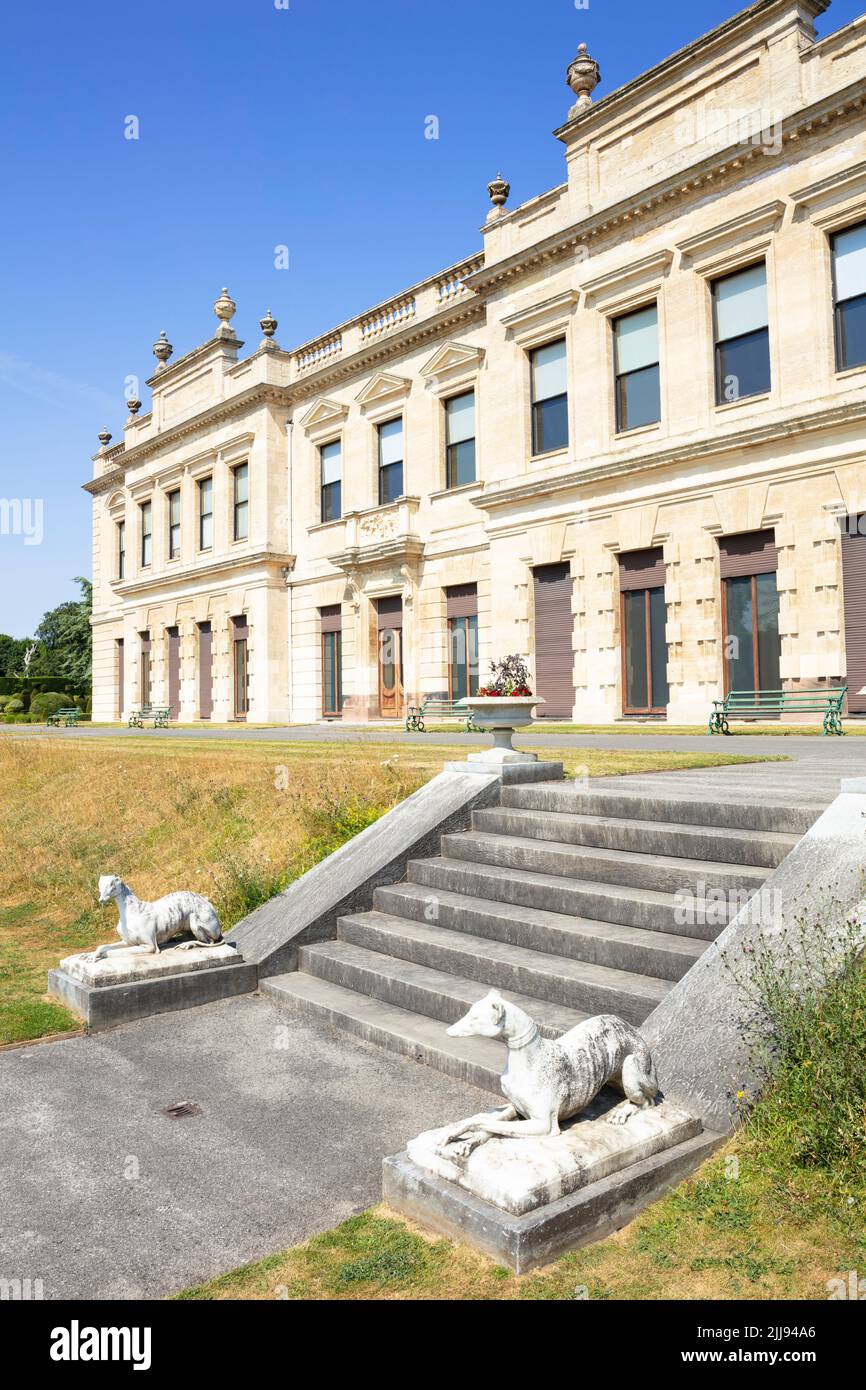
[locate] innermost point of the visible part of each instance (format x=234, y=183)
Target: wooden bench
x=68, y=717
x=757, y=704
x=434, y=708
x=160, y=714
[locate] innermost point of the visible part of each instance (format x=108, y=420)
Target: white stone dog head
x=109, y=885
x=484, y=1019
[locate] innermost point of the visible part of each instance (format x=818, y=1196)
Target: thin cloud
x=51, y=387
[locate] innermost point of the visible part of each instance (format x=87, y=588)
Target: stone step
x=632, y=907
x=765, y=851
x=578, y=985
x=479, y=1061
x=774, y=812
x=418, y=987
x=663, y=875
x=657, y=953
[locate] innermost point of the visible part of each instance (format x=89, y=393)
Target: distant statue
x=28, y=656
x=150, y=925
x=548, y=1081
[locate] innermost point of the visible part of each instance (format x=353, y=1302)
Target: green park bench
x=67, y=717
x=757, y=704
x=434, y=708
x=160, y=714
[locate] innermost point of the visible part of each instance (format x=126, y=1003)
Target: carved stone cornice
x=263, y=393
x=572, y=478
x=227, y=566
x=720, y=168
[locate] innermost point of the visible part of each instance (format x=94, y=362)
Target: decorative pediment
x=534, y=322
x=729, y=243
x=324, y=412
x=383, y=388
x=452, y=357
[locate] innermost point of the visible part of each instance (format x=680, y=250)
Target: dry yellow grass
x=215, y=818
x=230, y=819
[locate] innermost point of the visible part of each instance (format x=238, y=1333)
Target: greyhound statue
x=150, y=925
x=545, y=1081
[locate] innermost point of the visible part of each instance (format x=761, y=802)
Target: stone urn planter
x=501, y=715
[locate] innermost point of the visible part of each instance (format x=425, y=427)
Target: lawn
x=234, y=820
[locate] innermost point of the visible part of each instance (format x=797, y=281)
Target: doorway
x=750, y=611
x=205, y=671
x=240, y=668
x=643, y=643
x=554, y=655
x=173, y=635
x=389, y=616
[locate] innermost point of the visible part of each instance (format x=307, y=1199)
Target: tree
x=63, y=638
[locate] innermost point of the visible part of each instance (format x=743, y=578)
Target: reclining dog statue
x=549, y=1081
x=150, y=925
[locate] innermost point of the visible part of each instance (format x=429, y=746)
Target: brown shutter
x=332, y=617
x=554, y=655
x=120, y=676
x=205, y=671
x=751, y=552
x=854, y=591
x=461, y=600
x=642, y=569
x=173, y=635
x=144, y=668
x=389, y=611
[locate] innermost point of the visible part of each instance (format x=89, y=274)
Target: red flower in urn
x=510, y=678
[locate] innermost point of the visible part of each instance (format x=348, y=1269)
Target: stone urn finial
x=104, y=440
x=134, y=406
x=269, y=327
x=224, y=308
x=498, y=190
x=583, y=76
x=162, y=350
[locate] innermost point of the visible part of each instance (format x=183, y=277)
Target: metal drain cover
x=182, y=1109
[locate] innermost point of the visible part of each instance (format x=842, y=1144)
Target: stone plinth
x=522, y=1174
x=132, y=984
x=125, y=967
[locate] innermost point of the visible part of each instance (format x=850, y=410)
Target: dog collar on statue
x=524, y=1039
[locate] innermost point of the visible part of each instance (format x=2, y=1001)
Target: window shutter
x=332, y=618
x=854, y=590
x=461, y=600
x=389, y=611
x=554, y=656
x=642, y=569
x=751, y=552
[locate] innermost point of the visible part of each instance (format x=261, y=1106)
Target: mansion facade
x=626, y=439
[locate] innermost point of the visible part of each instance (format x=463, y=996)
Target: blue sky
x=259, y=126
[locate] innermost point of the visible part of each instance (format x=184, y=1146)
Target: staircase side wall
x=699, y=1033
x=344, y=882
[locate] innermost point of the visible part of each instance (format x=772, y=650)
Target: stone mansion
x=624, y=439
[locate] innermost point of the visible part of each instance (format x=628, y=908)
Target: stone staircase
x=563, y=897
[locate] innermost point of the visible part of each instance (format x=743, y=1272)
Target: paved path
x=833, y=752
x=295, y=1122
